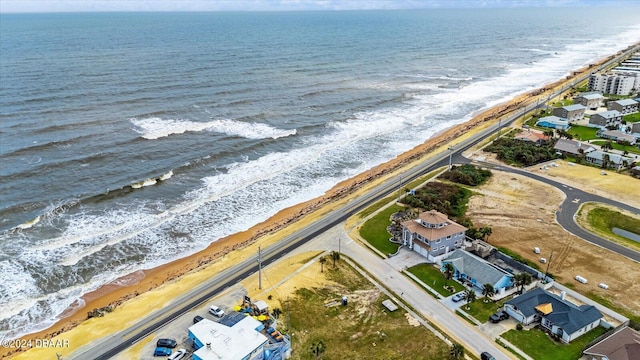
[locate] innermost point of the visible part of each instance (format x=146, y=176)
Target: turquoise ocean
x=128, y=140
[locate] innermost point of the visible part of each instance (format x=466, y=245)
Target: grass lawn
x=481, y=310
x=583, y=132
x=363, y=329
x=540, y=347
x=616, y=146
x=375, y=232
x=435, y=279
x=602, y=220
x=631, y=118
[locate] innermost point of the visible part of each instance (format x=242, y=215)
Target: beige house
x=432, y=234
x=590, y=100
x=623, y=344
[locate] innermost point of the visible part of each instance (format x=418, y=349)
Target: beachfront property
x=557, y=316
x=570, y=112
x=573, y=147
x=614, y=161
x=622, y=344
x=618, y=83
x=625, y=106
x=591, y=100
x=477, y=272
x=617, y=136
x=432, y=234
x=553, y=122
x=236, y=336
x=605, y=118
x=532, y=137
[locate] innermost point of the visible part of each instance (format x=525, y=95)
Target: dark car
x=166, y=343
x=486, y=356
x=197, y=319
x=498, y=316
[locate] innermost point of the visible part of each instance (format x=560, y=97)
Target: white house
x=557, y=316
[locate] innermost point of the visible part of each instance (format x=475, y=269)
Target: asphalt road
x=112, y=345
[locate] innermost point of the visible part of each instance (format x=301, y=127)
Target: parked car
x=458, y=297
x=167, y=343
x=197, y=319
x=162, y=351
x=178, y=354
x=216, y=311
x=498, y=316
x=486, y=356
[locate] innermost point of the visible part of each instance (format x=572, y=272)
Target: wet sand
x=117, y=293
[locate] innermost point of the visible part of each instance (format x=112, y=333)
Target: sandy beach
x=223, y=253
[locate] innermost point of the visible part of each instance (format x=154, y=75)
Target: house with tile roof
x=622, y=344
x=557, y=316
x=432, y=234
x=478, y=272
x=532, y=137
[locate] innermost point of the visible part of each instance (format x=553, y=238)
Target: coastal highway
x=109, y=346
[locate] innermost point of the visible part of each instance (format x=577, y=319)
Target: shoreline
x=115, y=294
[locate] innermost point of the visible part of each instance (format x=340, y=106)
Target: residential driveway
x=448, y=302
x=405, y=259
x=494, y=330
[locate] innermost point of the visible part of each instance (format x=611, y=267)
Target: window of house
x=448, y=237
x=438, y=241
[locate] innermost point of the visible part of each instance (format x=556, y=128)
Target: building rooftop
x=623, y=344
x=553, y=120
x=572, y=146
x=437, y=225
x=591, y=95
x=481, y=270
x=625, y=102
x=574, y=107
x=609, y=114
x=228, y=343
x=564, y=314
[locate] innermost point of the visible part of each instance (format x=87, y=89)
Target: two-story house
x=432, y=234
x=605, y=118
x=570, y=112
x=625, y=106
x=590, y=100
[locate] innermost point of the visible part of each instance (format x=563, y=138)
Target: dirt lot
x=521, y=214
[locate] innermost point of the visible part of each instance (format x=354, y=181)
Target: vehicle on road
x=216, y=311
x=458, y=297
x=162, y=351
x=197, y=319
x=178, y=354
x=486, y=356
x=166, y=343
x=498, y=316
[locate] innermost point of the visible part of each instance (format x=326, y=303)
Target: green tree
x=448, y=272
x=276, y=312
x=334, y=256
x=488, y=291
x=457, y=351
x=317, y=348
x=485, y=231
x=469, y=296
x=522, y=279
x=322, y=261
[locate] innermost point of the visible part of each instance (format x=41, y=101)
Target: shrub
x=519, y=327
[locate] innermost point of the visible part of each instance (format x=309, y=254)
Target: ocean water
x=128, y=140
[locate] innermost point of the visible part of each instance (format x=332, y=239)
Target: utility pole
x=339, y=241
x=259, y=268
x=450, y=148
x=400, y=189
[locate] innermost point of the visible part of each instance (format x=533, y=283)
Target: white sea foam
x=166, y=176
x=29, y=224
x=155, y=128
x=249, y=191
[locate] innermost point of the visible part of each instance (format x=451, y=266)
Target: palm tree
x=488, y=291
x=322, y=261
x=448, y=271
x=457, y=351
x=522, y=279
x=469, y=296
x=276, y=312
x=317, y=348
x=334, y=256
x=485, y=231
